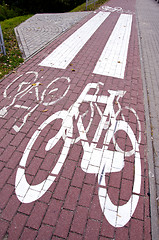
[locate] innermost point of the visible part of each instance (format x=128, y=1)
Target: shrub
x=47, y=6
x=6, y=12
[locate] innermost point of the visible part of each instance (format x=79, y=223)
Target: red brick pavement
x=70, y=208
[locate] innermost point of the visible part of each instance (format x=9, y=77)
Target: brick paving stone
x=6, y=140
x=9, y=124
x=34, y=166
x=5, y=195
x=114, y=194
x=69, y=169
x=11, y=208
x=75, y=152
x=147, y=228
x=17, y=226
x=61, y=189
x=37, y=215
x=92, y=229
x=14, y=160
x=4, y=225
x=136, y=229
x=115, y=179
x=73, y=236
x=41, y=151
x=38, y=178
x=121, y=233
x=2, y=123
x=78, y=177
x=1, y=150
x=46, y=197
x=7, y=153
x=86, y=195
x=147, y=207
x=107, y=230
x=26, y=208
x=126, y=189
x=38, y=143
x=90, y=179
x=79, y=221
x=63, y=223
x=53, y=212
x=95, y=211
x=72, y=198
x=4, y=175
x=1, y=165
x=140, y=213
x=11, y=180
x=48, y=163
x=29, y=234
x=128, y=170
x=45, y=232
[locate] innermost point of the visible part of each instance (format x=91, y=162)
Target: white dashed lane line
x=112, y=61
x=65, y=52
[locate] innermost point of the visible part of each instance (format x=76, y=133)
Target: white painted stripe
x=112, y=61
x=64, y=53
x=20, y=106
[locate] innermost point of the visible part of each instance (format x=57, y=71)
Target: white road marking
x=65, y=52
x=112, y=61
x=20, y=106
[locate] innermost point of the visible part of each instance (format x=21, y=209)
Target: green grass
x=13, y=55
x=91, y=7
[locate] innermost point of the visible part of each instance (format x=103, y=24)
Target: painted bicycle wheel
x=26, y=192
x=118, y=216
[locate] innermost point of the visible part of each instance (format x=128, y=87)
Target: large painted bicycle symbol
x=95, y=160
x=49, y=96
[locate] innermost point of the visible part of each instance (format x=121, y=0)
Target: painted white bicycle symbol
x=95, y=160
x=48, y=97
x=115, y=9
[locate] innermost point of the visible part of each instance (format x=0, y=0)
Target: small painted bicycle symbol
x=95, y=160
x=115, y=9
x=50, y=95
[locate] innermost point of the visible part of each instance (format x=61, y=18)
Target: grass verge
x=13, y=55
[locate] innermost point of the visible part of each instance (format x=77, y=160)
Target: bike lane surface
x=87, y=181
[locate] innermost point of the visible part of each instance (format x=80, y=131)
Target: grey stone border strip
x=19, y=43
x=40, y=29
x=49, y=42
x=150, y=154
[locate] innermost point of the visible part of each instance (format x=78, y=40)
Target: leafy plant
x=49, y=6
x=6, y=12
x=13, y=55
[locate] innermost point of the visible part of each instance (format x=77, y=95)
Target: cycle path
x=90, y=181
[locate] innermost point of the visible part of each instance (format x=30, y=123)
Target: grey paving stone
x=157, y=174
x=148, y=25
x=37, y=31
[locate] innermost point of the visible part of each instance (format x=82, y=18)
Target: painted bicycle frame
x=95, y=160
